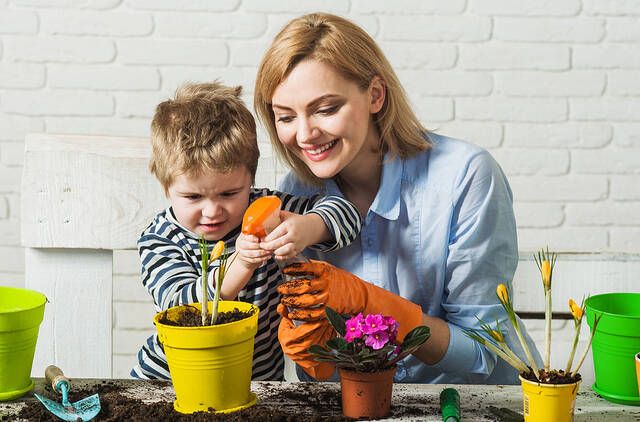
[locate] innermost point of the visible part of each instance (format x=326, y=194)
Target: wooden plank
x=76, y=331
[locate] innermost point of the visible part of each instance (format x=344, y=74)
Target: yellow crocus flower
x=502, y=293
x=576, y=310
x=497, y=336
x=545, y=269
x=217, y=251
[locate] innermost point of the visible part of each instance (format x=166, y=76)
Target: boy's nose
x=211, y=210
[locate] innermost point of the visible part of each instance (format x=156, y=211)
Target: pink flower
x=377, y=340
x=374, y=323
x=353, y=328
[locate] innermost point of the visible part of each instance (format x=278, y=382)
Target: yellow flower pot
x=210, y=366
x=548, y=402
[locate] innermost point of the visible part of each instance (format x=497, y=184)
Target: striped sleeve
x=340, y=216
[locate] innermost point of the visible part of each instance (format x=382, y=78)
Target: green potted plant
x=365, y=352
x=548, y=394
x=209, y=346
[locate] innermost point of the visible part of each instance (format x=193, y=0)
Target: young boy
x=205, y=155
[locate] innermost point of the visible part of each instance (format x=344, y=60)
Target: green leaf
x=337, y=343
x=318, y=350
x=336, y=320
x=416, y=337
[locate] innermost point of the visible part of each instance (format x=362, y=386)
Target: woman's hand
x=294, y=234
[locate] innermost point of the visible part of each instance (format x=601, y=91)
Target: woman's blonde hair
x=206, y=126
x=349, y=50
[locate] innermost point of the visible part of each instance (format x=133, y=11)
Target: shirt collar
x=387, y=201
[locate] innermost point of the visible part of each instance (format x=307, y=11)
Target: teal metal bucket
x=615, y=344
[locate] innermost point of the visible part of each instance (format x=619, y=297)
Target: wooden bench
x=84, y=197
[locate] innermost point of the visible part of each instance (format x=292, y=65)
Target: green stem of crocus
x=527, y=352
x=513, y=356
x=216, y=297
x=547, y=318
x=584, y=355
x=576, y=336
x=516, y=363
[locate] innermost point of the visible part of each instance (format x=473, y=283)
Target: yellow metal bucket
x=548, y=402
x=211, y=366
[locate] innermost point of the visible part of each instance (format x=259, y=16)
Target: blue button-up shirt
x=441, y=233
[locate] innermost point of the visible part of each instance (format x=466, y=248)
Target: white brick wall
x=551, y=87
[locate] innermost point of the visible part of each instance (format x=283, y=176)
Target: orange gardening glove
x=306, y=300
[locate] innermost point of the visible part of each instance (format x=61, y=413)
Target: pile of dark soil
x=191, y=317
x=553, y=376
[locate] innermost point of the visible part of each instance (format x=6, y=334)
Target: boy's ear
x=377, y=93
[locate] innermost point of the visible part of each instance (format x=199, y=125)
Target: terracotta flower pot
x=366, y=394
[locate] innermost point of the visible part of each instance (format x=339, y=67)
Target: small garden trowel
x=85, y=409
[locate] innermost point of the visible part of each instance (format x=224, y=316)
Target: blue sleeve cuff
x=461, y=355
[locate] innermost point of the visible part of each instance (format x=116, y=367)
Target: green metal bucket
x=21, y=312
x=615, y=344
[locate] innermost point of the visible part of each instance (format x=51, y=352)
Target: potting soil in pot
x=191, y=317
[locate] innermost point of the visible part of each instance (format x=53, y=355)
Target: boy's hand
x=294, y=234
x=249, y=252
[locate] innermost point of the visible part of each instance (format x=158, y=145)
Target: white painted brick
x=104, y=77
x=559, y=135
x=609, y=56
x=138, y=104
x=10, y=232
x=625, y=188
x=611, y=109
x=572, y=29
x=11, y=279
x=4, y=207
x=514, y=56
x=12, y=153
x=623, y=29
x=11, y=259
x=173, y=77
x=294, y=6
x=210, y=25
x=536, y=215
x=559, y=189
x=626, y=135
x=69, y=4
x=436, y=7
x=18, y=22
x=14, y=128
x=513, y=109
x=95, y=23
x=128, y=342
x=126, y=261
x=435, y=28
x=603, y=214
x=550, y=84
x=135, y=315
x=248, y=53
x=121, y=365
x=171, y=52
x=58, y=103
x=129, y=288
x=204, y=5
x=21, y=75
x=446, y=83
x=485, y=134
x=431, y=110
x=583, y=239
x=625, y=161
x=59, y=49
x=611, y=7
x=525, y=7
x=624, y=82
x=99, y=126
x=404, y=54
x=10, y=178
x=625, y=239
x=524, y=161
x=14, y=205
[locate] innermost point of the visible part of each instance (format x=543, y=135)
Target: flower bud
x=576, y=310
x=497, y=336
x=217, y=251
x=545, y=270
x=501, y=291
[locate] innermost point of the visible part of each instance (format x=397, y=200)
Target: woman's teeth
x=322, y=148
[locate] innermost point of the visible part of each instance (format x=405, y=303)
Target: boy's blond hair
x=206, y=126
x=349, y=50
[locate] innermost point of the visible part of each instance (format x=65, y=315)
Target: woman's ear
x=377, y=92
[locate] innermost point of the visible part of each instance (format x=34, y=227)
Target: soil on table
x=312, y=396
x=553, y=376
x=191, y=317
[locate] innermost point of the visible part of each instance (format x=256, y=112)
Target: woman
x=439, y=232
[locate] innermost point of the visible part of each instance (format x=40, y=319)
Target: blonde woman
x=439, y=232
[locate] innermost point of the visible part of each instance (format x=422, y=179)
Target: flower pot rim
x=394, y=367
x=544, y=384
x=254, y=308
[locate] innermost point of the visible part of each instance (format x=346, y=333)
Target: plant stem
x=576, y=336
x=584, y=355
x=517, y=364
x=204, y=257
x=547, y=318
x=527, y=352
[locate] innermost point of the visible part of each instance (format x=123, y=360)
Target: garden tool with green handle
x=85, y=409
